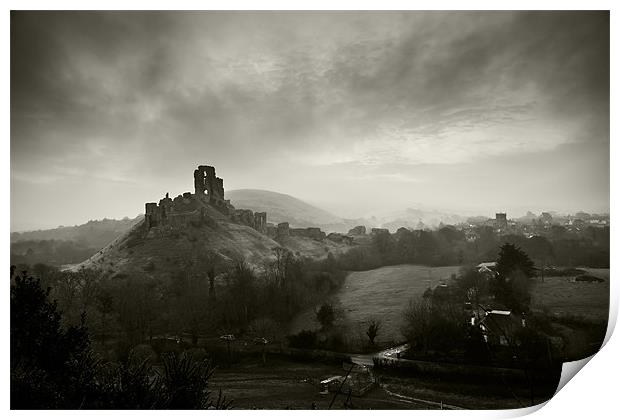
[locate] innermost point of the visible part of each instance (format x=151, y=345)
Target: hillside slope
x=163, y=252
x=93, y=234
x=286, y=208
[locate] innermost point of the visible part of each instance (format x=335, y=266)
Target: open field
x=382, y=293
x=563, y=297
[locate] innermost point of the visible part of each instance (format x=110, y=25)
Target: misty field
x=563, y=297
x=383, y=294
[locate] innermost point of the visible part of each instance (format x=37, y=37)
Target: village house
x=500, y=327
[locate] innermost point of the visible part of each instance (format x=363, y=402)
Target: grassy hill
x=67, y=244
x=157, y=252
x=286, y=208
x=383, y=294
x=93, y=234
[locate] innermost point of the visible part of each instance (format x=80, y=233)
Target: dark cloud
x=125, y=97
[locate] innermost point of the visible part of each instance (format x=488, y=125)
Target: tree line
x=50, y=251
x=450, y=246
x=203, y=296
x=445, y=322
x=54, y=366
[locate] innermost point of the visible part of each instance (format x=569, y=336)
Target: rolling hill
x=93, y=234
x=286, y=208
x=67, y=244
x=163, y=250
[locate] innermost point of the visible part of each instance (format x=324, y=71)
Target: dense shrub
x=326, y=315
x=304, y=339
x=429, y=326
x=54, y=367
x=51, y=366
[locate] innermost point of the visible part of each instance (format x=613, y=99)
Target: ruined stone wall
x=358, y=230
x=243, y=217
x=283, y=229
x=178, y=212
x=311, y=232
x=271, y=230
x=152, y=215
x=260, y=222
x=184, y=203
x=377, y=231
x=186, y=219
x=340, y=238
x=207, y=183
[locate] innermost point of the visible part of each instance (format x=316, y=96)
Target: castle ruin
x=191, y=209
x=209, y=188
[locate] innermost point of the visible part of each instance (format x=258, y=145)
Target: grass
x=284, y=384
x=382, y=293
x=578, y=310
x=564, y=298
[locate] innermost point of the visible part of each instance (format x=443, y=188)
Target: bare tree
x=374, y=325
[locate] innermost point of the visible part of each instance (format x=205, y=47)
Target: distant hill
x=93, y=234
x=286, y=208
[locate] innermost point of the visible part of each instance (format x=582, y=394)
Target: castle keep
x=209, y=188
x=191, y=208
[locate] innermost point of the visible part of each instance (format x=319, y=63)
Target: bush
x=143, y=352
x=326, y=315
x=434, y=327
x=374, y=325
x=54, y=368
x=265, y=328
x=305, y=339
x=337, y=341
x=51, y=367
x=149, y=266
x=184, y=381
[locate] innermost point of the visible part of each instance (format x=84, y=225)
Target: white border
x=591, y=395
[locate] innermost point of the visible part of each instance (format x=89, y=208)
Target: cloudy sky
x=359, y=113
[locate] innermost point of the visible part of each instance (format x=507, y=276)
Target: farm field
x=382, y=293
x=562, y=297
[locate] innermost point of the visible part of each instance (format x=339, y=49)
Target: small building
x=487, y=268
x=501, y=222
x=500, y=327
